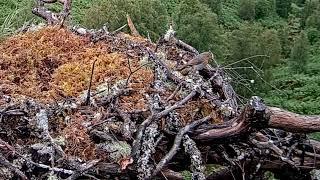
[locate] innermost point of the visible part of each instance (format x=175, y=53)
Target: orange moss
x=78, y=142
x=193, y=109
x=53, y=62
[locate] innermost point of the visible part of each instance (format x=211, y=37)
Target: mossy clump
x=53, y=63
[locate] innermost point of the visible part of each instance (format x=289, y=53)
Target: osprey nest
x=93, y=104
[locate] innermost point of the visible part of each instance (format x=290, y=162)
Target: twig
x=149, y=38
x=119, y=29
x=136, y=70
x=55, y=169
x=11, y=167
x=90, y=84
x=91, y=176
x=153, y=117
x=246, y=59
x=83, y=169
x=126, y=124
x=133, y=29
x=53, y=1
x=174, y=93
x=108, y=99
x=66, y=11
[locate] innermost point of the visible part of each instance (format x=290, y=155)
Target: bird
x=196, y=64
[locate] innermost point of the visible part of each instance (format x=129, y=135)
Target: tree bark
x=293, y=122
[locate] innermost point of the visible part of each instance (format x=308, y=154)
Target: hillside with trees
x=98, y=95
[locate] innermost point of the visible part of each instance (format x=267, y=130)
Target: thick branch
x=293, y=122
x=257, y=116
x=251, y=118
x=50, y=17
x=47, y=15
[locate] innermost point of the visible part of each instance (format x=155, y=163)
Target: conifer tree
x=314, y=19
x=215, y=5
x=265, y=8
x=283, y=7
x=149, y=16
x=196, y=24
x=299, y=53
x=247, y=9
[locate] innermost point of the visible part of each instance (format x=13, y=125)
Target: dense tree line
x=268, y=47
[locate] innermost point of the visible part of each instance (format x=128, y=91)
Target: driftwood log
x=250, y=139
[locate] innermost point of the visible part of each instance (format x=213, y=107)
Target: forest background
x=269, y=48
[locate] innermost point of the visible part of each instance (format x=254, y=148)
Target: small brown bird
x=196, y=64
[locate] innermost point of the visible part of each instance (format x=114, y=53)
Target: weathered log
x=293, y=122
x=256, y=116
x=252, y=118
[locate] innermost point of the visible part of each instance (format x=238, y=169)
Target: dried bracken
x=54, y=63
x=77, y=139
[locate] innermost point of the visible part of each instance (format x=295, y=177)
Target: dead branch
x=170, y=37
x=90, y=84
x=252, y=117
x=154, y=117
x=4, y=162
x=133, y=29
x=177, y=143
x=83, y=169
x=50, y=17
x=293, y=122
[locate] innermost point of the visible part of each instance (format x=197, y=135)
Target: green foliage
x=79, y=8
x=197, y=24
x=265, y=8
x=285, y=42
x=313, y=35
x=283, y=7
x=186, y=175
x=171, y=5
x=314, y=19
x=294, y=27
x=247, y=9
x=149, y=16
x=309, y=8
x=14, y=13
x=248, y=42
x=296, y=10
x=7, y=26
x=215, y=5
x=299, y=53
x=229, y=14
x=270, y=45
x=299, y=92
x=315, y=136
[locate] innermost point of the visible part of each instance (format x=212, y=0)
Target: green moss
x=210, y=168
x=186, y=175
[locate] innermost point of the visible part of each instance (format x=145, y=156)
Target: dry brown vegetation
x=53, y=63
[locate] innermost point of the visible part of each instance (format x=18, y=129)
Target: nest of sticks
x=93, y=104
